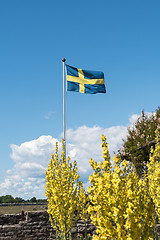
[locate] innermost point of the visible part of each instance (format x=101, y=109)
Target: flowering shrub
x=154, y=175
x=65, y=194
x=121, y=201
x=122, y=207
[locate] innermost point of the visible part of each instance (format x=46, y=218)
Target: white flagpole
x=64, y=107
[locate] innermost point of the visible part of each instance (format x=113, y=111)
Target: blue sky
x=120, y=38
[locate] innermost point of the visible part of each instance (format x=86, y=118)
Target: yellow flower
x=65, y=193
x=121, y=206
x=154, y=174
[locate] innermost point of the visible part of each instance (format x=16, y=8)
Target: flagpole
x=64, y=104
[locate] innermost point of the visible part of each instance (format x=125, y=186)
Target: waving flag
x=85, y=81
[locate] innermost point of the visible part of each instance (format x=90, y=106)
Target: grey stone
x=81, y=229
x=74, y=230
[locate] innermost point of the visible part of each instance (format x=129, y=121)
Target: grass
x=18, y=209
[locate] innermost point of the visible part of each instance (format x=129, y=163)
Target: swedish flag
x=85, y=81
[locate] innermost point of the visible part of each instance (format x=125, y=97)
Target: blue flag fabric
x=85, y=81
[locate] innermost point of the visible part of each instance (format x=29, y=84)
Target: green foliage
x=7, y=199
x=33, y=199
x=11, y=199
x=19, y=200
x=136, y=148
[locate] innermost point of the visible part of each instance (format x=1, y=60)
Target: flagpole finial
x=63, y=59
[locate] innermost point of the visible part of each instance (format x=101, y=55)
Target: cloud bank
x=27, y=178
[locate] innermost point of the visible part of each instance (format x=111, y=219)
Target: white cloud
x=27, y=178
x=30, y=162
x=133, y=118
x=86, y=144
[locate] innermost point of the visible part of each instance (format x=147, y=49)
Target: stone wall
x=35, y=226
